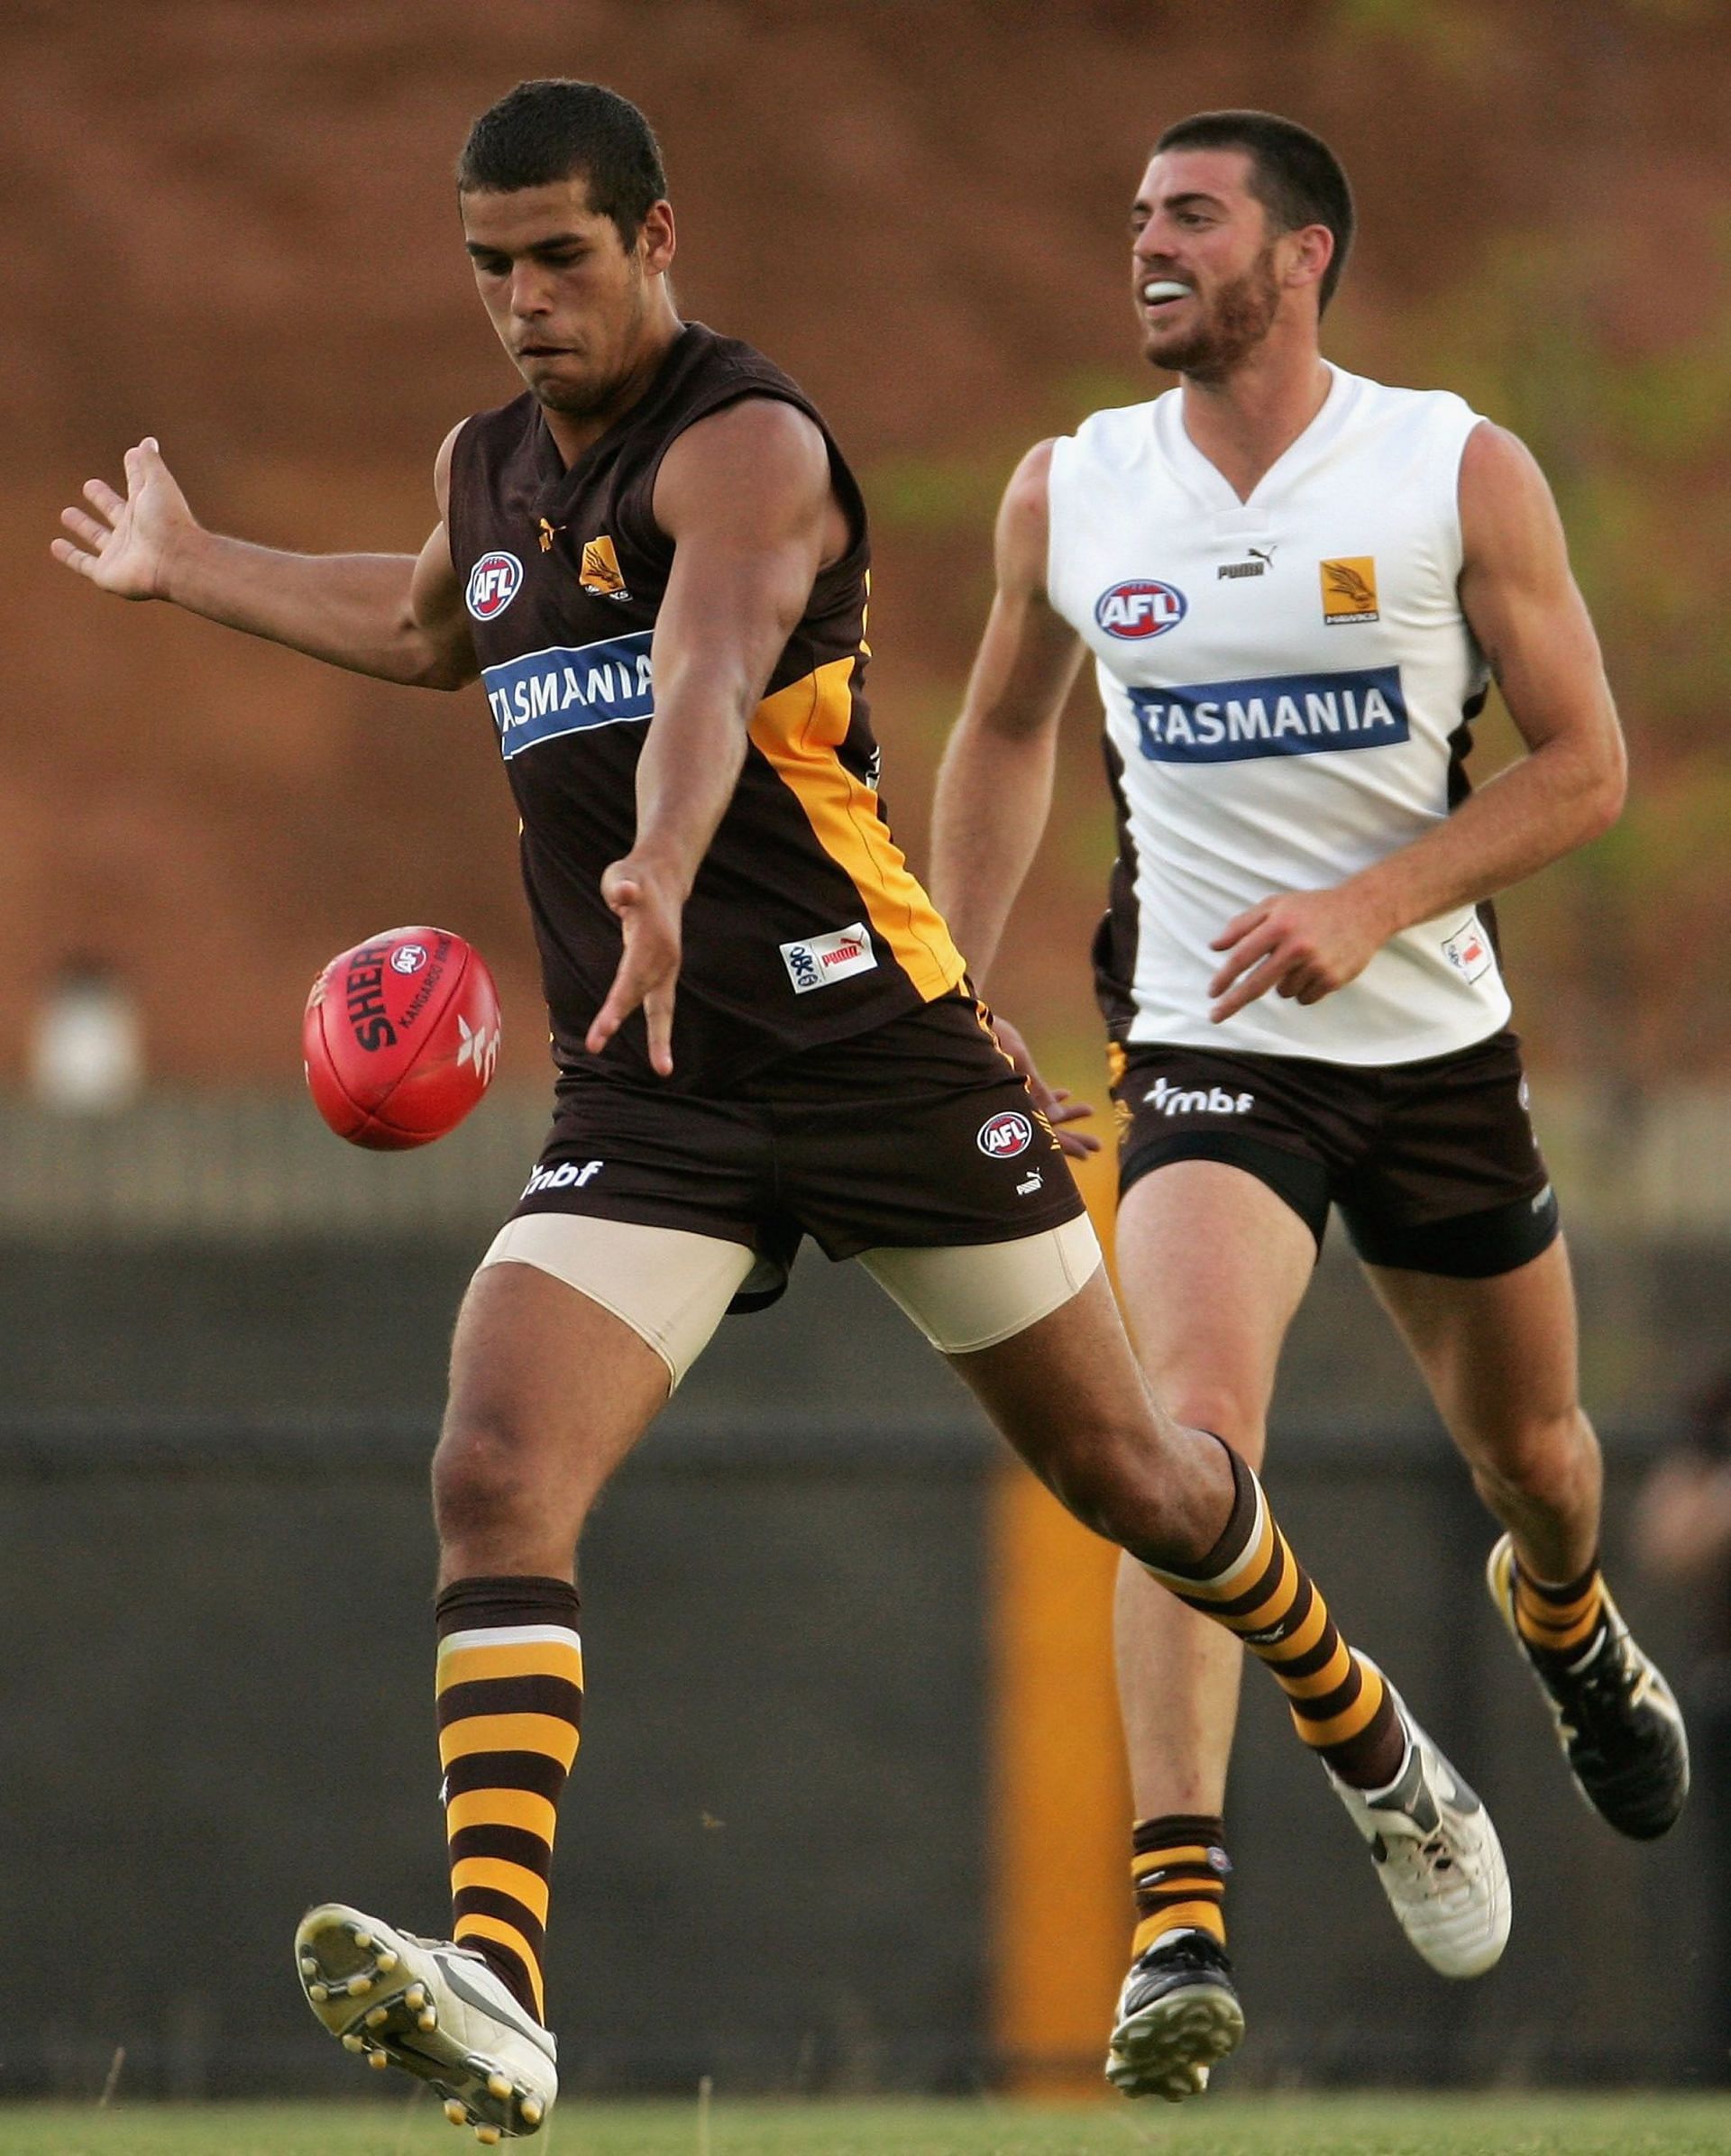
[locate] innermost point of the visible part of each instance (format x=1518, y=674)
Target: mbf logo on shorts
x=569, y=1175
x=1005, y=1136
x=1199, y=1100
x=494, y=583
x=1140, y=610
x=815, y=961
x=408, y=958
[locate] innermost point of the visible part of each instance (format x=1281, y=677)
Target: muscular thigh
x=1211, y=1267
x=1499, y=1354
x=539, y=1367
x=551, y=1386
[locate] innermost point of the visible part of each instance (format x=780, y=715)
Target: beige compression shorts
x=673, y=1288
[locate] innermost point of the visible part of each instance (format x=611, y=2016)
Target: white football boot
x=1437, y=1856
x=435, y=2010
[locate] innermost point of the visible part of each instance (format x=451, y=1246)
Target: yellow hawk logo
x=599, y=573
x=1350, y=588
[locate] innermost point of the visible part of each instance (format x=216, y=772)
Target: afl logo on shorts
x=493, y=584
x=1005, y=1136
x=1140, y=609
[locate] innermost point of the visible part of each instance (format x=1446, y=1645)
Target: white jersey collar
x=1210, y=486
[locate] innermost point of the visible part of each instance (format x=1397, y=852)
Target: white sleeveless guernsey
x=1288, y=684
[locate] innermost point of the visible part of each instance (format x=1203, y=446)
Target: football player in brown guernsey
x=655, y=560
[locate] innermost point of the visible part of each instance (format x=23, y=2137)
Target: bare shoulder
x=1500, y=483
x=1518, y=592
x=441, y=469
x=1029, y=490
x=1024, y=518
x=762, y=442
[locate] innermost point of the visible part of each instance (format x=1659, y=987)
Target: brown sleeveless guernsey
x=804, y=924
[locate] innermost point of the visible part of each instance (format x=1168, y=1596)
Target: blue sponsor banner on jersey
x=545, y=694
x=1281, y=715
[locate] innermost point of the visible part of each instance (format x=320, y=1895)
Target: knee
x=1111, y=1479
x=1225, y=1413
x=482, y=1492
x=1542, y=1458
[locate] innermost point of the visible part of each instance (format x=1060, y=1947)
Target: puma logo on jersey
x=599, y=573
x=815, y=961
x=1261, y=559
x=1349, y=590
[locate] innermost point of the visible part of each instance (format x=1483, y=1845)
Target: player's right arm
x=400, y=617
x=994, y=785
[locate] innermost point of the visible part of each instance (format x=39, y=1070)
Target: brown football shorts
x=918, y=1134
x=1434, y=1164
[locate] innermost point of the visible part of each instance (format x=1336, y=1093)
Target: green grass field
x=1636, y=2125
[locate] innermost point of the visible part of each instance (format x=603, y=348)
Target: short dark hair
x=1294, y=174
x=552, y=129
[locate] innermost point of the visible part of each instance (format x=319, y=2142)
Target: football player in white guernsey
x=1296, y=586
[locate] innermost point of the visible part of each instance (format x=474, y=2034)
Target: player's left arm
x=1521, y=601
x=746, y=496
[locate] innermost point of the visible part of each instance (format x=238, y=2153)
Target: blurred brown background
x=231, y=224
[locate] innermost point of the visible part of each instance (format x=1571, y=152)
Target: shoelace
x=1447, y=1872
x=1612, y=1691
x=1439, y=1864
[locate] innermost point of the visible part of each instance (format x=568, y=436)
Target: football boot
x=1177, y=2016
x=435, y=2010
x=1437, y=1856
x=1617, y=1720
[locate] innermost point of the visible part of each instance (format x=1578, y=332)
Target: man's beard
x=583, y=400
x=1240, y=317
x=576, y=400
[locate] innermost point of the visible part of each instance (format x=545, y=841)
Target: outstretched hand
x=1053, y=1102
x=649, y=918
x=125, y=546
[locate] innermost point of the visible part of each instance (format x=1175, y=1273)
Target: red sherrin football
x=400, y=1036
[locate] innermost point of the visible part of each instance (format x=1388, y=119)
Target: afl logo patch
x=408, y=958
x=1005, y=1136
x=1140, y=609
x=494, y=583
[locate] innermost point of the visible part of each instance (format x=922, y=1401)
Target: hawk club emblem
x=599, y=573
x=1350, y=588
